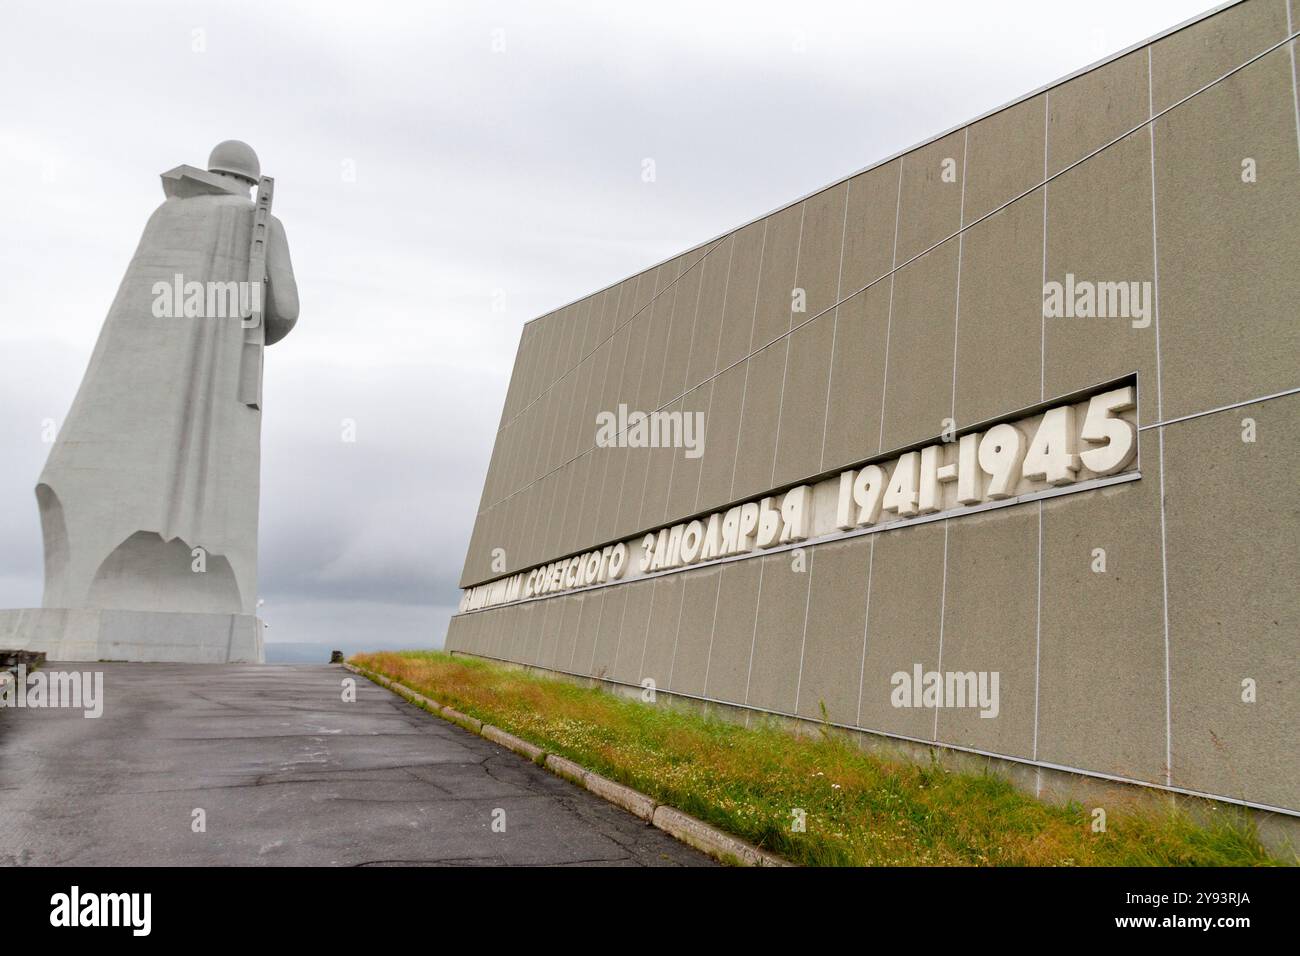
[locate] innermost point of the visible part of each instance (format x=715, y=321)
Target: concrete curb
x=522, y=747
x=633, y=801
x=469, y=723
x=704, y=837
x=570, y=771
x=722, y=846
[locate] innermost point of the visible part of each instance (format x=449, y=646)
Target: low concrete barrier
x=464, y=720
x=563, y=767
x=711, y=840
x=520, y=746
x=633, y=801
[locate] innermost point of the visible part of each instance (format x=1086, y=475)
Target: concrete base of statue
x=88, y=634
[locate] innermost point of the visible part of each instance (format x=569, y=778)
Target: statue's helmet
x=235, y=158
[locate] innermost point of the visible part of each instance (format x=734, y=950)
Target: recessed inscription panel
x=1068, y=445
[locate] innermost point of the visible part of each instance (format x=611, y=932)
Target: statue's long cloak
x=157, y=456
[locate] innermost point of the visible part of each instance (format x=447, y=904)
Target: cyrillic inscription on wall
x=1072, y=443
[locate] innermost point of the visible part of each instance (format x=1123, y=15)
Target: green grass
x=861, y=809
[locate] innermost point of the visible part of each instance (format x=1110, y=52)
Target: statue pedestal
x=88, y=634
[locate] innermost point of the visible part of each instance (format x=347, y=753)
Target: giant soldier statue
x=149, y=499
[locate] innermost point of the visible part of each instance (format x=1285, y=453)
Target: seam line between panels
x=1038, y=627
x=943, y=607
x=835, y=322
x=753, y=640
x=889, y=320
x=866, y=627
x=650, y=616
x=1295, y=91
x=577, y=632
x=677, y=635
x=618, y=648
x=690, y=350
x=785, y=368
x=713, y=385
x=956, y=312
x=1042, y=335
x=803, y=642
x=1160, y=435
x=713, y=630
x=744, y=390
x=1042, y=396
x=1221, y=408
x=595, y=644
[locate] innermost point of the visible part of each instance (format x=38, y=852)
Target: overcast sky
x=432, y=159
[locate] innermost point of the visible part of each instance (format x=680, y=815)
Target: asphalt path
x=280, y=770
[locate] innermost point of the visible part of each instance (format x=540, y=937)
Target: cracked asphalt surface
x=287, y=773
